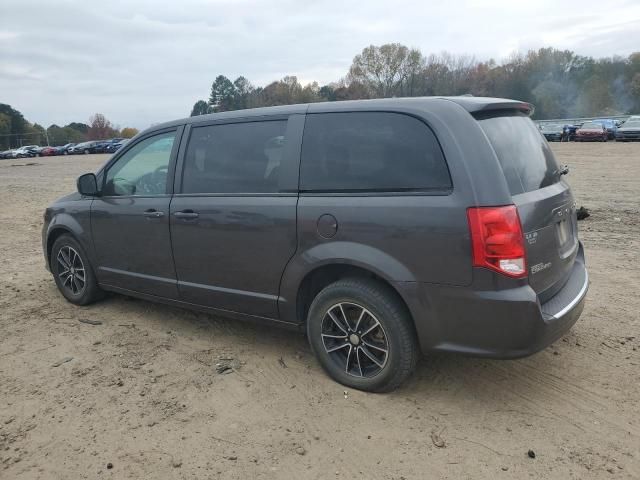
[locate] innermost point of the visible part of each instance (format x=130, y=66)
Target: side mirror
x=88, y=185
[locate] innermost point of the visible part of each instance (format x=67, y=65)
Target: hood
x=629, y=129
x=68, y=198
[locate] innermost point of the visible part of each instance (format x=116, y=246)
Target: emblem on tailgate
x=538, y=267
x=531, y=237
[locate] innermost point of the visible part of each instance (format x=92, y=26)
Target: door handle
x=186, y=214
x=152, y=213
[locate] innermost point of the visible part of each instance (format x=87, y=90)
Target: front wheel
x=362, y=335
x=72, y=271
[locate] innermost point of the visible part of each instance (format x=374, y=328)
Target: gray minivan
x=382, y=228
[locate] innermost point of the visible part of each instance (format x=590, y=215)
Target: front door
x=233, y=217
x=130, y=219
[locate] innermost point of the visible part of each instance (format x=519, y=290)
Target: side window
x=234, y=158
x=143, y=169
x=370, y=151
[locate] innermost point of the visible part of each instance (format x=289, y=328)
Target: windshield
x=525, y=156
x=597, y=126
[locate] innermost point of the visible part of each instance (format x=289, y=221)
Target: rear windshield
x=525, y=156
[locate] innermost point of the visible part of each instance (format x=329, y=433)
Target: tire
x=353, y=365
x=90, y=291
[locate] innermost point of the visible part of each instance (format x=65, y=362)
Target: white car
x=25, y=151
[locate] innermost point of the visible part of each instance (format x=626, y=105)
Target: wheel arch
x=64, y=223
x=55, y=233
x=311, y=270
x=322, y=276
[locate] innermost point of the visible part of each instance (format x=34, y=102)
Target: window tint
x=370, y=151
x=526, y=158
x=234, y=158
x=142, y=170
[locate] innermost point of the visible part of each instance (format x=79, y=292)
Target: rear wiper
x=563, y=170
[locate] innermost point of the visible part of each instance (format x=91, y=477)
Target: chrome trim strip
x=578, y=298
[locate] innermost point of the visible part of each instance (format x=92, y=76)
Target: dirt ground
x=140, y=396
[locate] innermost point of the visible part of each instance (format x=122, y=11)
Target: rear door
x=544, y=200
x=233, y=222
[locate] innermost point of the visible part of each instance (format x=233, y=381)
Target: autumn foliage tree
x=129, y=132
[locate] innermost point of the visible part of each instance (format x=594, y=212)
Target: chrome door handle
x=153, y=214
x=186, y=214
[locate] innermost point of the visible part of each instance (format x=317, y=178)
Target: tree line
x=560, y=83
x=16, y=131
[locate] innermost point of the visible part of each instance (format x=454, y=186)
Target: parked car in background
x=609, y=125
x=569, y=132
x=629, y=131
x=6, y=154
x=35, y=150
x=592, y=132
x=83, y=148
x=49, y=151
x=114, y=147
x=100, y=147
x=15, y=153
x=108, y=145
x=488, y=261
x=64, y=149
x=552, y=131
x=26, y=151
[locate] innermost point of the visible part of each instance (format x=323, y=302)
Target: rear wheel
x=362, y=335
x=72, y=272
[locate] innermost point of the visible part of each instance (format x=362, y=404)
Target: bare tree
x=100, y=128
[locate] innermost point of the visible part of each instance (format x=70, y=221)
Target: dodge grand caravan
x=382, y=228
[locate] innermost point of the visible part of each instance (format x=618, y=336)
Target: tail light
x=497, y=240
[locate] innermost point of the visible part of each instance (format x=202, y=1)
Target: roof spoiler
x=488, y=104
x=523, y=107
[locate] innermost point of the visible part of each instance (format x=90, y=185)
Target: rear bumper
x=495, y=323
x=598, y=138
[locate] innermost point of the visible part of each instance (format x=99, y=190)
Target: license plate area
x=565, y=230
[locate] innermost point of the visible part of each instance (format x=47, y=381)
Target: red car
x=591, y=132
x=48, y=151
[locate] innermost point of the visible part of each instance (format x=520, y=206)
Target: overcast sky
x=141, y=62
